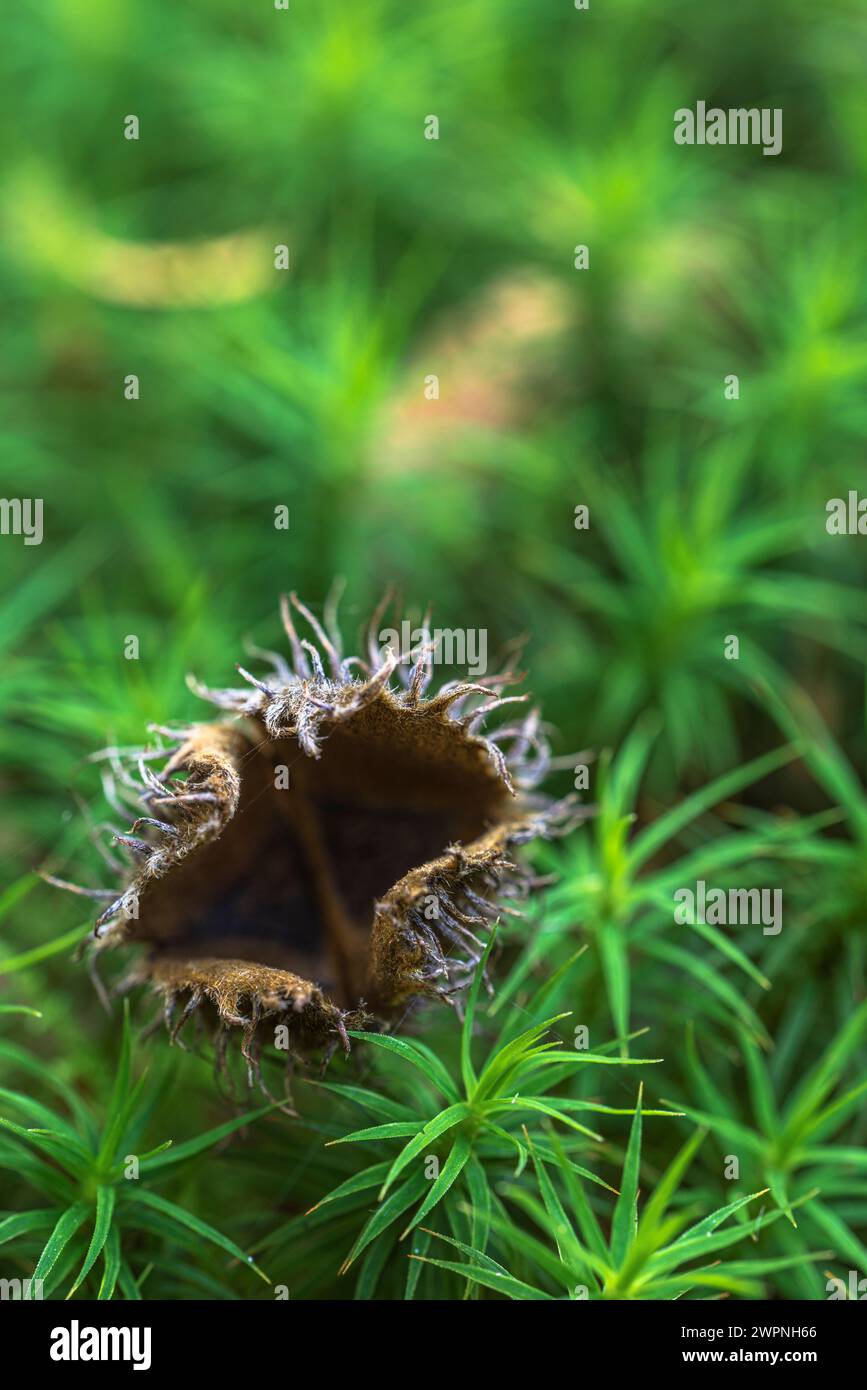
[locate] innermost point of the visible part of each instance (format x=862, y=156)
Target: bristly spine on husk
x=229, y=872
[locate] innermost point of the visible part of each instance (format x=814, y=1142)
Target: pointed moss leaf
x=418, y=1055
x=450, y=1172
x=379, y=1105
x=708, y=1224
x=625, y=1212
x=468, y=1074
x=111, y=1255
x=670, y=1182
x=56, y=1146
x=490, y=1279
x=566, y=1240
x=472, y=1251
x=37, y=954
x=359, y=1182
x=371, y=1268
x=446, y=1120
x=21, y=1223
x=421, y=1245
x=649, y=841
x=389, y=1210
x=615, y=969
x=66, y=1227
x=392, y=1130
x=105, y=1198
x=42, y=1117
x=519, y=1103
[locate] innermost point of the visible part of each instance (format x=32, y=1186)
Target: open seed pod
x=336, y=844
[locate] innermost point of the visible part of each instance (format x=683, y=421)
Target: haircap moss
x=336, y=848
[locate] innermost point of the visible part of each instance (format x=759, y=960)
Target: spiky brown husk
x=377, y=869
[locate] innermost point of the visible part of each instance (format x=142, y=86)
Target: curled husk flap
x=333, y=846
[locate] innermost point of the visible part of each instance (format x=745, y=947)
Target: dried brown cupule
x=336, y=848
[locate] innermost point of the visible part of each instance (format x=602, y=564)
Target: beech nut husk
x=334, y=845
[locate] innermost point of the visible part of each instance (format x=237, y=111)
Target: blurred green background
x=411, y=257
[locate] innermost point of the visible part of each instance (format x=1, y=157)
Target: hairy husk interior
x=336, y=847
